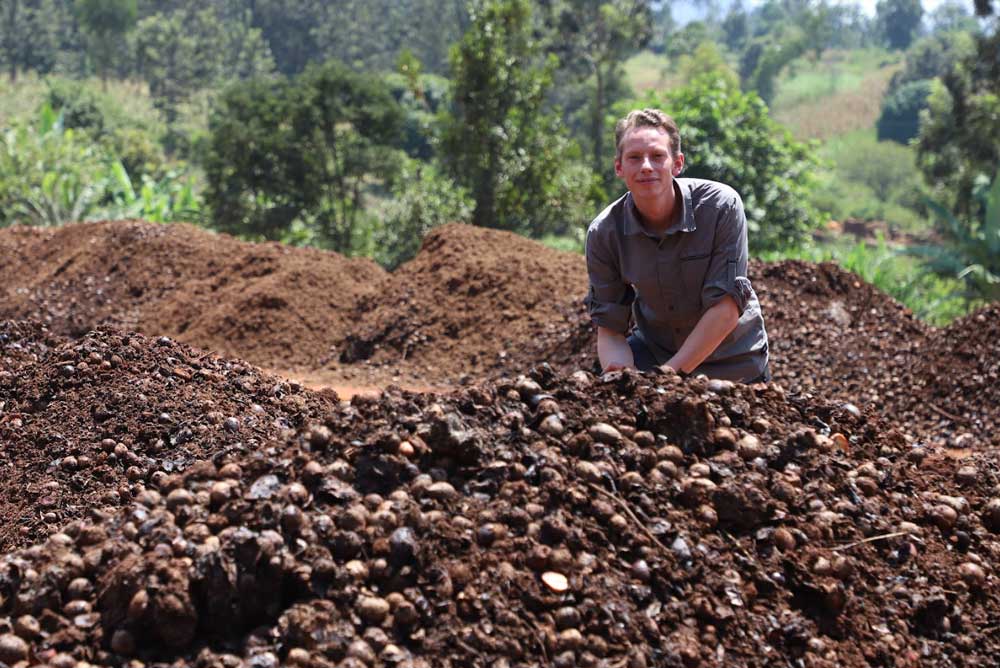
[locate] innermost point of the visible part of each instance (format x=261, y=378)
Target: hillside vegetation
x=271, y=122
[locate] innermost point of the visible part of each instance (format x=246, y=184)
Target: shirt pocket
x=693, y=269
x=672, y=307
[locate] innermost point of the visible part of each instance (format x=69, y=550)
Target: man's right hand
x=613, y=350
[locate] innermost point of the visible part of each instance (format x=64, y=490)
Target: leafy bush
x=871, y=180
x=134, y=139
x=421, y=199
x=51, y=175
x=974, y=253
x=305, y=150
x=499, y=141
x=900, y=118
x=727, y=136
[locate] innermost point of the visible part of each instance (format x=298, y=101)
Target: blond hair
x=652, y=118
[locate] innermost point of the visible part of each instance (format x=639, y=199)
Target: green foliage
x=727, y=136
x=867, y=179
x=910, y=88
x=974, y=252
x=305, y=150
x=900, y=117
x=421, y=97
x=426, y=27
x=951, y=17
x=687, y=39
x=188, y=49
x=29, y=35
x=592, y=39
x=959, y=140
x=899, y=20
x=51, y=175
x=133, y=138
x=421, y=199
x=932, y=298
x=105, y=22
x=499, y=143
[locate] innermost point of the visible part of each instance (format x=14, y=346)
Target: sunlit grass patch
x=650, y=71
x=831, y=99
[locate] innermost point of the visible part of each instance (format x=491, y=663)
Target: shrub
x=900, y=118
x=421, y=199
x=306, y=150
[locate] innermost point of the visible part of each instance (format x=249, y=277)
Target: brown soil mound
x=833, y=334
x=23, y=343
x=271, y=304
x=84, y=424
x=473, y=302
x=634, y=521
x=952, y=386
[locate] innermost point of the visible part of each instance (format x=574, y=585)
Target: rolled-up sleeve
x=610, y=298
x=727, y=271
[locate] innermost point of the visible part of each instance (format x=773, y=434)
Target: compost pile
x=630, y=520
x=163, y=505
x=273, y=305
x=83, y=422
x=473, y=302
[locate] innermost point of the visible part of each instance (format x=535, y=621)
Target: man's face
x=646, y=164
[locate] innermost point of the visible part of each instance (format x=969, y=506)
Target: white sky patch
x=869, y=5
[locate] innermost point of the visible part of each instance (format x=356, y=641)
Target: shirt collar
x=685, y=222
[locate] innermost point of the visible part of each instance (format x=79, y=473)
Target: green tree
x=794, y=28
x=736, y=27
x=959, y=140
x=899, y=20
x=498, y=142
x=900, y=117
x=177, y=54
x=952, y=16
x=684, y=41
x=29, y=35
x=728, y=136
x=973, y=253
x=305, y=151
x=594, y=38
x=105, y=22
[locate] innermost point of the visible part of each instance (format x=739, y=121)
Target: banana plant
x=974, y=256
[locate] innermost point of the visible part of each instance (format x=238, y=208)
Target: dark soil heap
x=24, y=343
x=551, y=520
x=84, y=423
x=953, y=383
x=274, y=305
x=473, y=302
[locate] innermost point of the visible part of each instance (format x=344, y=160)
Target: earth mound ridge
x=271, y=304
x=472, y=302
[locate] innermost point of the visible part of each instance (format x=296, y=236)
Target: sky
x=686, y=10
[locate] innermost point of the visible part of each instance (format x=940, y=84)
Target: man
x=672, y=253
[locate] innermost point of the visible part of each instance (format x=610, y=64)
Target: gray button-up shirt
x=667, y=283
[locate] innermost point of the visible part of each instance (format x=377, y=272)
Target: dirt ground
x=163, y=503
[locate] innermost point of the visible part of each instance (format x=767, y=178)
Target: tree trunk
x=597, y=121
x=11, y=39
